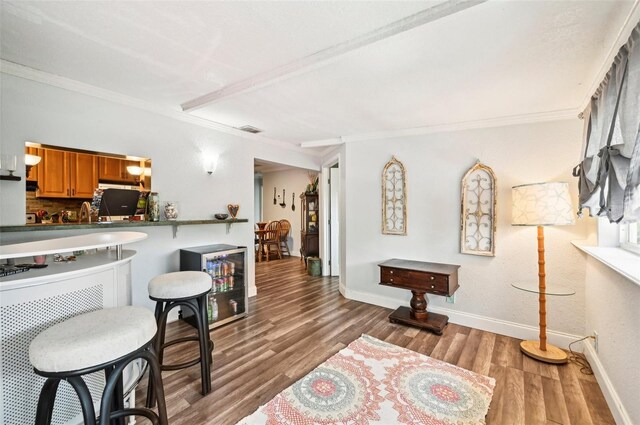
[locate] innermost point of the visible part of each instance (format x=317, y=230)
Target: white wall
x=42, y=113
x=435, y=164
x=293, y=182
x=613, y=311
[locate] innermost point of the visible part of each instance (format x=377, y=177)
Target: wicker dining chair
x=272, y=239
x=285, y=228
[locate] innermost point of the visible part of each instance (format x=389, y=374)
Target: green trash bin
x=314, y=266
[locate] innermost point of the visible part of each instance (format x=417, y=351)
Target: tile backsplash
x=52, y=205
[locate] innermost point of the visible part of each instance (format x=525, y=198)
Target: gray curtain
x=610, y=170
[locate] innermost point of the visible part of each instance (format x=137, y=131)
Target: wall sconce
x=210, y=163
x=10, y=164
x=31, y=161
x=138, y=172
x=134, y=170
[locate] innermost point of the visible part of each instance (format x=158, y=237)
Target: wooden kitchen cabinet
x=32, y=176
x=115, y=170
x=67, y=174
x=83, y=175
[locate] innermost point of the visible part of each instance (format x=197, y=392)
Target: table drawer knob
x=391, y=279
x=432, y=278
x=391, y=272
x=433, y=286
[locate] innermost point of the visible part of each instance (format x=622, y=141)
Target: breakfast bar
x=98, y=277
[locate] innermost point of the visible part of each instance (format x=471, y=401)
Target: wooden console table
x=420, y=278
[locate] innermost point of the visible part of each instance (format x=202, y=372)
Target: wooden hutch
x=309, y=241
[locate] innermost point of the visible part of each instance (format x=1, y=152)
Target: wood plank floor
x=296, y=322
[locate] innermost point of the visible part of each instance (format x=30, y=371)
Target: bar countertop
x=115, y=224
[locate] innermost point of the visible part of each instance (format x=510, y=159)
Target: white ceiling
x=494, y=59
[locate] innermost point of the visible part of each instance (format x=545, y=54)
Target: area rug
x=372, y=382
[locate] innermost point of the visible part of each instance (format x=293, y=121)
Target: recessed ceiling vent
x=250, y=129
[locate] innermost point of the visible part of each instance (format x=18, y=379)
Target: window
x=630, y=236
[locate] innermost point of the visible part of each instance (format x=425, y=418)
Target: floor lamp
x=542, y=204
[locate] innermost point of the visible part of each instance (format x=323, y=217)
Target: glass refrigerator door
x=227, y=298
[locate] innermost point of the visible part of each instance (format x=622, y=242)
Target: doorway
x=278, y=189
x=334, y=220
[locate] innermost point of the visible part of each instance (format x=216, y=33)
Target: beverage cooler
x=227, y=266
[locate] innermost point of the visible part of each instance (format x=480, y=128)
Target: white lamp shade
x=542, y=204
x=31, y=159
x=134, y=170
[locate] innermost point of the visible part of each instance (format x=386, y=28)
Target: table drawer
x=410, y=279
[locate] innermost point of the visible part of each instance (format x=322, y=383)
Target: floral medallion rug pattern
x=372, y=382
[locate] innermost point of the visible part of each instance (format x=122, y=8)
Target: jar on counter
x=154, y=207
x=171, y=210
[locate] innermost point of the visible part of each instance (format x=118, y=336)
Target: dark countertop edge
x=71, y=226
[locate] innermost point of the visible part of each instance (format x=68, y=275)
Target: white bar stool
x=106, y=340
x=186, y=289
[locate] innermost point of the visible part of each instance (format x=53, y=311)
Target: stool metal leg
x=155, y=380
x=205, y=357
x=46, y=401
x=88, y=413
x=117, y=402
x=161, y=319
x=156, y=373
x=198, y=306
x=162, y=326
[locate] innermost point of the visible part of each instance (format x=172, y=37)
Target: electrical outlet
x=595, y=341
x=451, y=299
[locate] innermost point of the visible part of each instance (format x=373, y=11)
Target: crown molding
x=21, y=71
x=446, y=128
x=623, y=35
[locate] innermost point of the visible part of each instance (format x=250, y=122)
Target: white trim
x=329, y=150
x=450, y=127
x=631, y=247
x=324, y=205
x=27, y=73
x=490, y=324
x=613, y=400
x=322, y=142
x=343, y=289
x=617, y=259
x=623, y=35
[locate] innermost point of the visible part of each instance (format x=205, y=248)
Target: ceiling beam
x=325, y=56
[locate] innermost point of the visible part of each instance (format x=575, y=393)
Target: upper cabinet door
x=110, y=169
x=83, y=174
x=115, y=170
x=54, y=181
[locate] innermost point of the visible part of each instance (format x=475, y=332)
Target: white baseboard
x=613, y=400
x=343, y=289
x=498, y=326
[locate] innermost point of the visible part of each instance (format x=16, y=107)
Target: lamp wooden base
x=551, y=355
